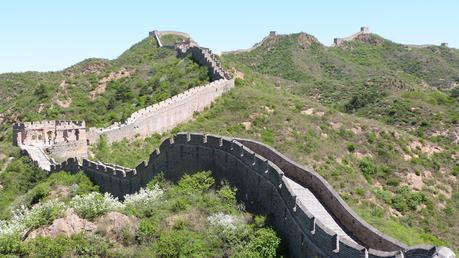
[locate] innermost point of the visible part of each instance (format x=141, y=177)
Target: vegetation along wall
x=261, y=184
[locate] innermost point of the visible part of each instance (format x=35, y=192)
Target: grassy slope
x=156, y=75
x=372, y=186
x=372, y=78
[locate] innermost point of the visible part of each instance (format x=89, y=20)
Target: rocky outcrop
x=69, y=225
x=115, y=225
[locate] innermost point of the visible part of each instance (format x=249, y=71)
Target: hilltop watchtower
x=365, y=29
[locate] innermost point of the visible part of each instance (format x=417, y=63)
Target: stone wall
x=204, y=57
x=340, y=41
x=261, y=186
x=165, y=115
x=61, y=139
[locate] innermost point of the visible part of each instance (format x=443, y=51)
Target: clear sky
x=48, y=35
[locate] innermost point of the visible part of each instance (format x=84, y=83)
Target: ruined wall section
x=59, y=139
x=261, y=184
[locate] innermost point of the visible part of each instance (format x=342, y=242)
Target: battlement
x=164, y=115
x=59, y=138
x=340, y=41
x=261, y=175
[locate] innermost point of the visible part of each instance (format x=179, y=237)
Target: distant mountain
x=411, y=87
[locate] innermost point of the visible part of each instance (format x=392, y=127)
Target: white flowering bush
x=42, y=213
x=95, y=204
x=23, y=219
x=144, y=197
x=224, y=220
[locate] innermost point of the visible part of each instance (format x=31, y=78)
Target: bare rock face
x=68, y=225
x=115, y=225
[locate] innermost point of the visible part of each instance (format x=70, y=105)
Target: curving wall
x=169, y=113
x=165, y=115
x=260, y=174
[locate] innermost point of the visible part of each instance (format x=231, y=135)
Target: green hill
x=98, y=91
x=375, y=118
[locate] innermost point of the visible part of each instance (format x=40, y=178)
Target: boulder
x=70, y=224
x=115, y=225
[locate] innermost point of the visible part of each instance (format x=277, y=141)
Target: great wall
x=300, y=204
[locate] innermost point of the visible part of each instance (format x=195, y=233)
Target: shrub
x=405, y=199
x=10, y=243
x=144, y=202
x=362, y=99
x=393, y=181
x=225, y=221
x=148, y=230
x=368, y=167
x=227, y=194
x=351, y=147
x=23, y=219
x=198, y=182
x=144, y=197
x=41, y=214
x=94, y=204
x=263, y=244
x=47, y=247
x=79, y=245
x=181, y=243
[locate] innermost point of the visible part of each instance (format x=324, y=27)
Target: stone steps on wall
x=38, y=156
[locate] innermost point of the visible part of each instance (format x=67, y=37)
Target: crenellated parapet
x=203, y=56
x=262, y=177
x=59, y=139
x=164, y=115
x=340, y=41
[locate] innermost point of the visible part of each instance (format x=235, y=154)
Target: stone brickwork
x=165, y=115
x=263, y=186
x=59, y=139
x=340, y=41
x=204, y=57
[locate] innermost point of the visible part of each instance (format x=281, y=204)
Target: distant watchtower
x=444, y=44
x=365, y=29
x=272, y=33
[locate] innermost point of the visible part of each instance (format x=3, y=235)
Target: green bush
x=94, y=204
x=368, y=167
x=263, y=244
x=198, y=182
x=405, y=199
x=10, y=244
x=148, y=230
x=43, y=213
x=181, y=243
x=79, y=245
x=351, y=147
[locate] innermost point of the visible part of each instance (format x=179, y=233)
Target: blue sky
x=50, y=35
